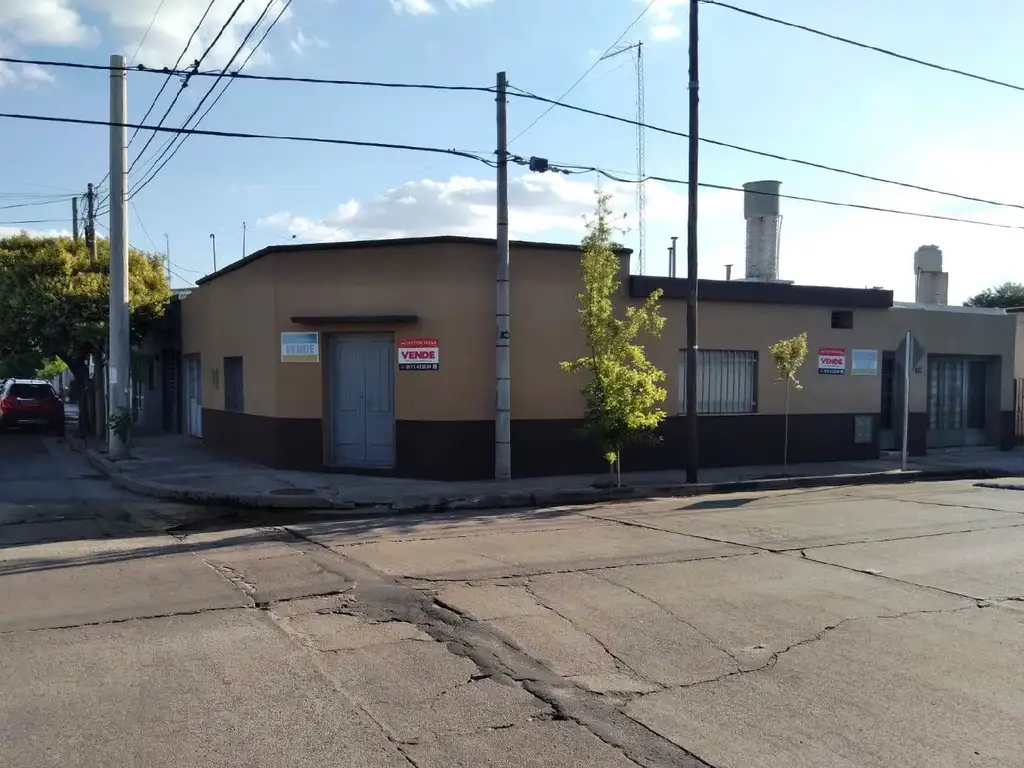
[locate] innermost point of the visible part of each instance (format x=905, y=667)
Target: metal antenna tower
x=637, y=49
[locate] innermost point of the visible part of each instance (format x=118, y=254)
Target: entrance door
x=193, y=396
x=362, y=401
x=957, y=401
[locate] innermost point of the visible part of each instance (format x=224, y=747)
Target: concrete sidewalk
x=182, y=469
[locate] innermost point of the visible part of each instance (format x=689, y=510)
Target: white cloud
x=540, y=205
x=301, y=43
x=413, y=7
x=72, y=23
x=665, y=32
x=664, y=15
x=21, y=74
x=11, y=231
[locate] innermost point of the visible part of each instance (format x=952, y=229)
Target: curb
x=518, y=500
x=205, y=498
x=1002, y=486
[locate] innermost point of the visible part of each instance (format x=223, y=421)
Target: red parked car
x=30, y=402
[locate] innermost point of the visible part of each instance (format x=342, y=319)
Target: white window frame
x=726, y=382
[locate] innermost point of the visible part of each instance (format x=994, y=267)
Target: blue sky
x=762, y=86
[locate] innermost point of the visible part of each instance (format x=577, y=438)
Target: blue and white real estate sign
x=300, y=347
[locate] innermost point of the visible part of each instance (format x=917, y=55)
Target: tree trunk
x=618, y=466
x=80, y=393
x=785, y=438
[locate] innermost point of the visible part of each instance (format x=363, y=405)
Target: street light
x=213, y=240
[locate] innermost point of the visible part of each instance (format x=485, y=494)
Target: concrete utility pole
x=167, y=255
x=502, y=382
x=119, y=343
x=692, y=454
x=213, y=239
x=74, y=218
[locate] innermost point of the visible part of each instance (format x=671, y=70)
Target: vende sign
x=832, y=360
x=419, y=355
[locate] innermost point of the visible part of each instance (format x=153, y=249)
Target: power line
x=144, y=230
x=184, y=83
x=865, y=46
x=33, y=221
x=241, y=46
x=148, y=29
x=163, y=86
x=63, y=199
x=820, y=201
x=238, y=75
x=240, y=135
x=590, y=69
x=523, y=94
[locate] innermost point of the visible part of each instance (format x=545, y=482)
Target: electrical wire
x=521, y=93
x=145, y=231
x=241, y=135
x=62, y=199
x=33, y=221
x=865, y=46
x=156, y=166
x=590, y=69
x=148, y=30
x=169, y=269
x=820, y=201
x=185, y=81
x=163, y=86
x=238, y=75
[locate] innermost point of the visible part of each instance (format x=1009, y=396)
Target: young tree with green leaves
x=54, y=302
x=789, y=355
x=1005, y=296
x=623, y=389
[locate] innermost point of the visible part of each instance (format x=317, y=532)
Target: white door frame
x=193, y=395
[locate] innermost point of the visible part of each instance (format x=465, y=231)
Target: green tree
x=789, y=355
x=623, y=389
x=1005, y=296
x=54, y=302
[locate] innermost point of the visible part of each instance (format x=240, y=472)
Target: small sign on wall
x=864, y=362
x=419, y=355
x=300, y=347
x=832, y=360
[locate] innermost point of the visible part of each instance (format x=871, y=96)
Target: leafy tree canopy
x=1005, y=296
x=789, y=355
x=624, y=388
x=54, y=300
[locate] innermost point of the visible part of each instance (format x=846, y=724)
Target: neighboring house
x=156, y=372
x=340, y=395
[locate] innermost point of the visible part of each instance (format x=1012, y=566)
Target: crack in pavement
x=773, y=659
x=427, y=581
x=677, y=617
x=620, y=663
x=498, y=658
x=111, y=622
x=880, y=575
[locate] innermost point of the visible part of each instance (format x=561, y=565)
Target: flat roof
x=752, y=292
x=390, y=243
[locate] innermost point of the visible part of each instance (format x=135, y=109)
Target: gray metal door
x=957, y=400
x=362, y=401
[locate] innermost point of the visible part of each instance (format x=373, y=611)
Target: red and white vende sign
x=419, y=355
x=832, y=360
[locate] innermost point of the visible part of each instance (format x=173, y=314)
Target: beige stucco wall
x=451, y=288
x=230, y=316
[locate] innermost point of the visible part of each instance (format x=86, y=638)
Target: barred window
x=726, y=381
x=234, y=392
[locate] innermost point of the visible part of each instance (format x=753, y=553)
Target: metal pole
x=213, y=239
x=906, y=401
x=693, y=447
x=90, y=222
x=502, y=381
x=74, y=219
x=243, y=239
x=674, y=271
x=167, y=255
x=118, y=344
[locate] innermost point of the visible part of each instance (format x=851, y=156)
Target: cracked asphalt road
x=871, y=626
